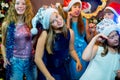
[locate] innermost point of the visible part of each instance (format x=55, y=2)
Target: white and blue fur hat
x=109, y=29
x=106, y=26
x=43, y=16
x=104, y=23
x=69, y=3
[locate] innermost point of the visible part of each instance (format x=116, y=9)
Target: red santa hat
x=69, y=3
x=86, y=7
x=114, y=7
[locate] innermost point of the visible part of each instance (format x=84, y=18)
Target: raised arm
x=39, y=55
x=91, y=49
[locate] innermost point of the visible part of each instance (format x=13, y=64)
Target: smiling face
x=56, y=20
x=20, y=7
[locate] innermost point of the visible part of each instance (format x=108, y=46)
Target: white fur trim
x=34, y=22
x=112, y=10
x=87, y=9
x=66, y=9
x=46, y=17
x=104, y=23
x=109, y=29
x=34, y=31
x=43, y=16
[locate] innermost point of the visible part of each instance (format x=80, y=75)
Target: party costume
x=97, y=68
x=19, y=52
x=115, y=7
x=103, y=67
x=58, y=62
x=79, y=44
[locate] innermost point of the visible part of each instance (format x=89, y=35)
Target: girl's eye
x=109, y=14
x=74, y=6
x=17, y=3
x=23, y=3
x=56, y=16
x=111, y=37
x=53, y=21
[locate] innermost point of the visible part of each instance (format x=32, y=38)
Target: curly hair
x=12, y=16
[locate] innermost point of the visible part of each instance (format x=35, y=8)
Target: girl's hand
x=118, y=73
x=6, y=62
x=92, y=27
x=78, y=66
x=100, y=37
x=69, y=15
x=50, y=78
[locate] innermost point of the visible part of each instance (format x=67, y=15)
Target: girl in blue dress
x=75, y=22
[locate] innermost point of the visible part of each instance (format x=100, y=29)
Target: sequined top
x=23, y=42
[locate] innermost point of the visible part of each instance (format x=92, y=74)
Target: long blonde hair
x=61, y=11
x=12, y=16
x=51, y=37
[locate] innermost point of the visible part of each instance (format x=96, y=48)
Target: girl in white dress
x=104, y=58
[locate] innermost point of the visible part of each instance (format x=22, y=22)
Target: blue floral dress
x=79, y=45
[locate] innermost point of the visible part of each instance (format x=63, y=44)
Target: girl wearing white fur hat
x=75, y=21
x=54, y=44
x=105, y=58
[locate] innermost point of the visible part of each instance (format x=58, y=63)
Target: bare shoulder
x=43, y=35
x=44, y=32
x=71, y=31
x=4, y=25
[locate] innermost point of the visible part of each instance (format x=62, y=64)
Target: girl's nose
x=78, y=9
x=106, y=16
x=59, y=20
x=20, y=5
